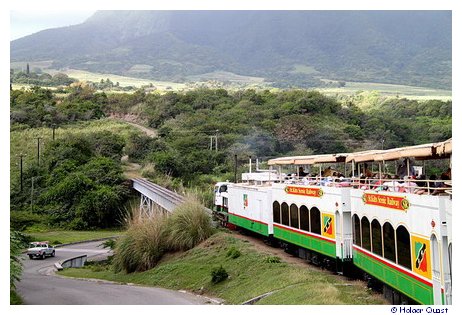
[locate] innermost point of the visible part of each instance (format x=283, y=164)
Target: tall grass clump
x=143, y=244
x=148, y=238
x=188, y=225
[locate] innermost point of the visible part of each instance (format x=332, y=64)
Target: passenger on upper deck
x=440, y=186
x=367, y=172
x=301, y=172
x=447, y=173
x=392, y=185
x=328, y=172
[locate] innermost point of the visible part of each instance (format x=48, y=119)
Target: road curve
x=39, y=285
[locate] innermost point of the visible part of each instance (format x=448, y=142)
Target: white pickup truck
x=40, y=250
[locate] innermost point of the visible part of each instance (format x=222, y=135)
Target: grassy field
x=123, y=80
x=66, y=236
x=390, y=90
x=251, y=274
x=386, y=90
x=25, y=141
x=227, y=76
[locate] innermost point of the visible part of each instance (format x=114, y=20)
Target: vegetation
x=39, y=78
x=188, y=225
x=78, y=184
x=38, y=107
x=219, y=274
x=293, y=283
x=147, y=239
x=142, y=246
x=17, y=243
x=267, y=124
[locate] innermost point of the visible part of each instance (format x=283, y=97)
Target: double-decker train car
x=396, y=231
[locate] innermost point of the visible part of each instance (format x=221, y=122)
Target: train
x=393, y=230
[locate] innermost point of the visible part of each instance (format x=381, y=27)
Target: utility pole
x=54, y=127
x=38, y=150
x=20, y=169
x=216, y=140
x=383, y=140
x=32, y=195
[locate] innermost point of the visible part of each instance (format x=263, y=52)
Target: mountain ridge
x=401, y=47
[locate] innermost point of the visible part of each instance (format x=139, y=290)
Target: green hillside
x=286, y=48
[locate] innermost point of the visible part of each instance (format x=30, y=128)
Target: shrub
x=233, y=252
x=16, y=245
x=19, y=220
x=110, y=243
x=188, y=225
x=142, y=246
x=219, y=274
x=272, y=259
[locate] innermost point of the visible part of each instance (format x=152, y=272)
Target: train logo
x=328, y=228
x=245, y=200
x=421, y=256
x=304, y=191
x=391, y=202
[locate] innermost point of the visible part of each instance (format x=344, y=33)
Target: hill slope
x=406, y=47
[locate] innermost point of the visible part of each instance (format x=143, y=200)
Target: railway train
x=395, y=231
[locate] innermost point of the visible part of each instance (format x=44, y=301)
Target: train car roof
x=309, y=159
x=422, y=151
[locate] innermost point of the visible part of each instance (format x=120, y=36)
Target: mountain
x=285, y=47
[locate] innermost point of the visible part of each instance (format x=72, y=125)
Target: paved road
x=39, y=285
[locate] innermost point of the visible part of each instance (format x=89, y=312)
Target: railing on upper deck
x=413, y=186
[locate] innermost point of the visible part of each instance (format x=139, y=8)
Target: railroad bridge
x=153, y=194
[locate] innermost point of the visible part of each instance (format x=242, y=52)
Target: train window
x=294, y=216
x=315, y=219
x=304, y=218
x=389, y=251
x=357, y=230
x=276, y=212
x=284, y=214
x=376, y=232
x=223, y=188
x=365, y=234
x=403, y=244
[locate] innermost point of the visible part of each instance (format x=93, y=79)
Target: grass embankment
x=66, y=236
x=252, y=273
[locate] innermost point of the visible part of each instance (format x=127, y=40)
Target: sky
x=23, y=23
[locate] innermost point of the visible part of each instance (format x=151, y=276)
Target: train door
x=436, y=270
x=258, y=216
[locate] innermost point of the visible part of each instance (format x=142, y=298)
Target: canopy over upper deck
x=422, y=152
